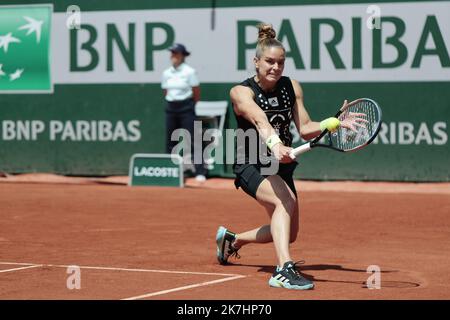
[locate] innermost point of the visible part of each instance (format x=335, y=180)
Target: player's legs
x=273, y=192
x=263, y=233
x=277, y=195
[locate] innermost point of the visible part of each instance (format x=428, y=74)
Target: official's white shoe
x=200, y=178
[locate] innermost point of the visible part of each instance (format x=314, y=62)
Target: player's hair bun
x=265, y=31
x=266, y=39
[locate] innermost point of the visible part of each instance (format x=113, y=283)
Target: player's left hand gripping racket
x=360, y=124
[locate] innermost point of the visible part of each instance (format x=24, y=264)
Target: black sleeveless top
x=278, y=105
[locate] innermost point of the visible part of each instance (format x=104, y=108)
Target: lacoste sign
x=156, y=170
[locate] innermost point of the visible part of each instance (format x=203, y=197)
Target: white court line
x=21, y=268
x=183, y=288
x=228, y=276
x=145, y=270
x=124, y=269
x=21, y=263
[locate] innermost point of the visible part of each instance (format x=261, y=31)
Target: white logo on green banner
x=25, y=49
x=156, y=170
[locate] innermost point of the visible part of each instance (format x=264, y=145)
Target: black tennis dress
x=278, y=105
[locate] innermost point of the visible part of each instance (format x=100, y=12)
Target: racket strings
x=347, y=139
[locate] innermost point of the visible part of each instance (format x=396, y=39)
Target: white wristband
x=272, y=141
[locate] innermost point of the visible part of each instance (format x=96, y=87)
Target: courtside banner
x=325, y=43
x=25, y=43
x=97, y=67
x=156, y=170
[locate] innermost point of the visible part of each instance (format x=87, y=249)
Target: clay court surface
x=159, y=243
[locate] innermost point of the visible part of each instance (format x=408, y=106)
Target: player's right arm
x=244, y=106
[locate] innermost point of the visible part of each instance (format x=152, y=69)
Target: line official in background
x=181, y=89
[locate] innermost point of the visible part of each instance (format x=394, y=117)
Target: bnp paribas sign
x=25, y=49
x=349, y=42
x=346, y=42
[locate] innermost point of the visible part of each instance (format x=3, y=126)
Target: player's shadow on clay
x=322, y=267
x=306, y=267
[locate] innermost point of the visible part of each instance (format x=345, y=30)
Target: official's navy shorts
x=249, y=177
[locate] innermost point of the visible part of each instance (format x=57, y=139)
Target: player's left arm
x=307, y=128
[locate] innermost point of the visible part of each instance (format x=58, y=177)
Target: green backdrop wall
x=413, y=144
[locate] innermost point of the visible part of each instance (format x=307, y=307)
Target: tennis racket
x=360, y=124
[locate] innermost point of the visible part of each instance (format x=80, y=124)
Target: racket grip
x=299, y=150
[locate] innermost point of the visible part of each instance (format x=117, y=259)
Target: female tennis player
x=267, y=103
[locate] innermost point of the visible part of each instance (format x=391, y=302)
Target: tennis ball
x=333, y=124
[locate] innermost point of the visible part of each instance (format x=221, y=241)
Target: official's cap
x=178, y=47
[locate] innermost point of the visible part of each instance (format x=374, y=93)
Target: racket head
x=347, y=140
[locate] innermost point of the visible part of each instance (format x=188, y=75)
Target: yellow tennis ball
x=333, y=124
